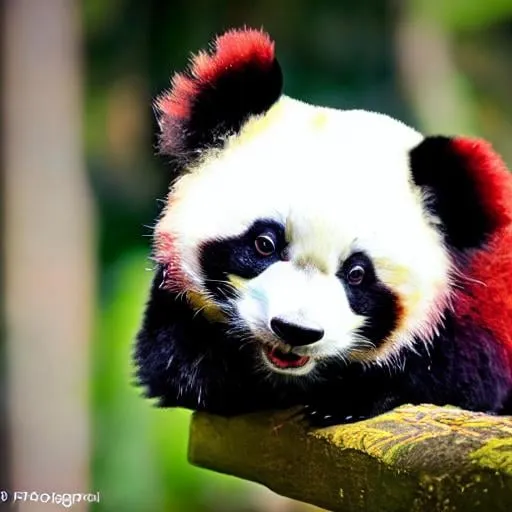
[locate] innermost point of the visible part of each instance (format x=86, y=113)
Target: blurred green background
x=442, y=66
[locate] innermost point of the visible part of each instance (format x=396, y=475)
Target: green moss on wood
x=412, y=459
x=495, y=454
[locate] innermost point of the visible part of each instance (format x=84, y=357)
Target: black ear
x=466, y=182
x=219, y=91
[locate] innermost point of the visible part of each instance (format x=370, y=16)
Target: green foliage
x=465, y=14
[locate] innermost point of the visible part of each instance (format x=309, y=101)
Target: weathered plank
x=411, y=459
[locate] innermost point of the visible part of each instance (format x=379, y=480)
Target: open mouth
x=284, y=360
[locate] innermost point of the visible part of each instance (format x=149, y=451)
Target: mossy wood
x=411, y=459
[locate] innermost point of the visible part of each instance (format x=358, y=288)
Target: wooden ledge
x=421, y=458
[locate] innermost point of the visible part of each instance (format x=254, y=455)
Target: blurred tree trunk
x=4, y=454
x=48, y=264
x=428, y=73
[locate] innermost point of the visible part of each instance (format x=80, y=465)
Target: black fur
x=455, y=198
x=184, y=360
x=220, y=109
x=465, y=366
x=371, y=299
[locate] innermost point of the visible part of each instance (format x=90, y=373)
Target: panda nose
x=294, y=334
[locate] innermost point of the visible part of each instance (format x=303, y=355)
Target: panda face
x=306, y=235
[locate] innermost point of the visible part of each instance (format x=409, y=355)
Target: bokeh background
x=81, y=185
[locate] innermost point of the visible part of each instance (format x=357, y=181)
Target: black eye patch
x=240, y=256
x=370, y=298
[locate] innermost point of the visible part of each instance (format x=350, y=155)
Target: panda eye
x=265, y=245
x=355, y=275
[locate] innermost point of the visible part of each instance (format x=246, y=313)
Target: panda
x=338, y=261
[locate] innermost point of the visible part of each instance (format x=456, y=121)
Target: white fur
x=302, y=296
x=340, y=181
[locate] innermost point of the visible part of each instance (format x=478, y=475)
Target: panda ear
x=467, y=185
x=240, y=77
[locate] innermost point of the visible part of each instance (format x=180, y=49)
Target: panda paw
x=321, y=416
x=327, y=414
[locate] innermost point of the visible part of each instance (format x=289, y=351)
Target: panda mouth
x=284, y=360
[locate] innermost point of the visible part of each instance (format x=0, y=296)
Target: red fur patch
x=487, y=285
x=230, y=51
x=487, y=295
x=167, y=254
x=491, y=176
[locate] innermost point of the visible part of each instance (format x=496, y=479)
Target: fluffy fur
x=338, y=260
x=239, y=77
